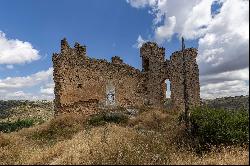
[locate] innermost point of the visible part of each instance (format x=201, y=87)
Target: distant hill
x=13, y=110
x=229, y=103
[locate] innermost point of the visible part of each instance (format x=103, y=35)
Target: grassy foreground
x=152, y=137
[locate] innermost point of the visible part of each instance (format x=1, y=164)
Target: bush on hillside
x=107, y=117
x=7, y=127
x=213, y=126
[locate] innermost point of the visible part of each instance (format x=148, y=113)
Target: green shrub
x=213, y=126
x=107, y=117
x=7, y=127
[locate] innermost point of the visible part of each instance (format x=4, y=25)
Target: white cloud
x=48, y=88
x=225, y=45
x=28, y=81
x=184, y=17
x=167, y=30
x=188, y=18
x=223, y=38
x=20, y=95
x=227, y=88
x=230, y=83
x=197, y=20
x=14, y=51
x=139, y=42
x=26, y=87
x=241, y=75
x=141, y=3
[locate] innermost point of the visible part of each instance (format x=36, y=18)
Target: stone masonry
x=84, y=84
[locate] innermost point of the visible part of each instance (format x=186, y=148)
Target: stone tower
x=177, y=75
x=153, y=63
x=156, y=70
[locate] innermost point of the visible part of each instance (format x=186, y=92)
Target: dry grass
x=218, y=156
x=149, y=138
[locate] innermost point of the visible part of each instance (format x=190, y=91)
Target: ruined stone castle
x=84, y=84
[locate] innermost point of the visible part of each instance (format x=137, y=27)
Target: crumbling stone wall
x=84, y=84
x=155, y=73
x=157, y=69
x=177, y=79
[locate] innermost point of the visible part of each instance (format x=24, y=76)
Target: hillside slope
x=13, y=110
x=228, y=103
x=152, y=137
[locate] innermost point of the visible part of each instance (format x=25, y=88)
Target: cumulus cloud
x=26, y=87
x=227, y=88
x=186, y=18
x=197, y=20
x=224, y=51
x=28, y=81
x=167, y=30
x=242, y=75
x=14, y=51
x=222, y=34
x=225, y=45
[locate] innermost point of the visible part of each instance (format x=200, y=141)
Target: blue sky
x=106, y=27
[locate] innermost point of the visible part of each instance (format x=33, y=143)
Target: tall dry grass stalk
x=149, y=138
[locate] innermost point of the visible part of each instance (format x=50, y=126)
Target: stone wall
x=153, y=68
x=84, y=84
x=157, y=69
x=177, y=79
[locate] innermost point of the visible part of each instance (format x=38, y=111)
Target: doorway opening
x=110, y=94
x=167, y=99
